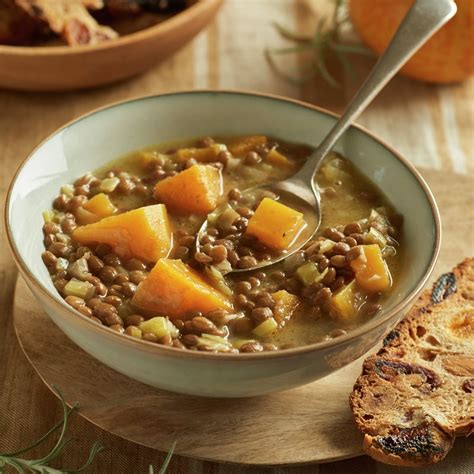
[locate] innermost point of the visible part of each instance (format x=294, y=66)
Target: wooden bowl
x=55, y=68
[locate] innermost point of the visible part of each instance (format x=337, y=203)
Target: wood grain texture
x=416, y=118
x=309, y=424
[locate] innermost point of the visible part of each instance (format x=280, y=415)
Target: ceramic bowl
x=59, y=68
x=107, y=133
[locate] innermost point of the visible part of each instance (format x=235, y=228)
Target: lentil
x=251, y=347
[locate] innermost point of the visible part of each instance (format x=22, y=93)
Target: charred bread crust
x=424, y=444
x=417, y=393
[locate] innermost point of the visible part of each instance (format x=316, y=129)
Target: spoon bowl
x=293, y=195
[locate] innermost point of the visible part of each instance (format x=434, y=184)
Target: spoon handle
x=423, y=19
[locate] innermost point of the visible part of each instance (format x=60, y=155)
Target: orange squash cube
x=100, y=205
x=83, y=216
x=278, y=159
x=144, y=233
x=285, y=305
x=202, y=155
x=175, y=290
x=242, y=145
x=275, y=225
x=371, y=271
x=195, y=190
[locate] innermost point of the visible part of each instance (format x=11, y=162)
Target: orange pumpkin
x=447, y=57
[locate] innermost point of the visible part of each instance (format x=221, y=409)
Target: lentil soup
x=121, y=247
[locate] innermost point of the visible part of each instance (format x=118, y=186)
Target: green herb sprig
x=325, y=42
x=41, y=465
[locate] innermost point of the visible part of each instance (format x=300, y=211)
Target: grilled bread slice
x=417, y=393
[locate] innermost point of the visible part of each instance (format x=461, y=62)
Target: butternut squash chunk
x=371, y=270
x=83, y=216
x=100, y=205
x=275, y=225
x=285, y=305
x=175, y=289
x=242, y=145
x=202, y=155
x=278, y=159
x=195, y=190
x=144, y=233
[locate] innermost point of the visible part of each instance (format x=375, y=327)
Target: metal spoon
x=423, y=19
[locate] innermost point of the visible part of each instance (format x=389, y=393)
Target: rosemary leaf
x=352, y=48
x=326, y=75
x=96, y=448
x=16, y=465
x=167, y=460
x=40, y=440
x=22, y=466
x=295, y=80
x=324, y=41
x=57, y=448
x=346, y=64
x=289, y=34
x=294, y=49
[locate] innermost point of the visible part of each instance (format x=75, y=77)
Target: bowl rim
x=76, y=318
x=175, y=22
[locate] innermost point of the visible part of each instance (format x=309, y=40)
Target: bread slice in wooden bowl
x=417, y=393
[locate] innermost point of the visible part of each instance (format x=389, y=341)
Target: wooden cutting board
x=309, y=424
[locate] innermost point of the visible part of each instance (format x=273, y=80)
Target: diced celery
x=224, y=267
x=136, y=332
x=321, y=276
x=238, y=343
x=68, y=190
x=174, y=331
x=62, y=264
x=374, y=236
x=108, y=185
x=265, y=328
x=216, y=343
x=389, y=251
x=346, y=301
x=326, y=245
x=157, y=326
x=214, y=338
x=81, y=289
x=227, y=218
x=48, y=216
x=79, y=269
x=308, y=273
x=376, y=216
x=217, y=280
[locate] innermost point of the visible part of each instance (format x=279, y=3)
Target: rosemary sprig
x=41, y=465
x=325, y=42
x=166, y=462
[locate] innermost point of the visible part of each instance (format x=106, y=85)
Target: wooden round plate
x=309, y=424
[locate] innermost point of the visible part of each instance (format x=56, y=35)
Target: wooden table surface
x=431, y=125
